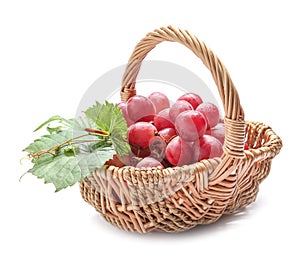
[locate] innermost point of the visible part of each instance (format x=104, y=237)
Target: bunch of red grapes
x=165, y=135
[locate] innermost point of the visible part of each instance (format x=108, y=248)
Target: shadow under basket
x=179, y=198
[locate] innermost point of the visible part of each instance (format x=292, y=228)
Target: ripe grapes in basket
x=187, y=127
x=144, y=132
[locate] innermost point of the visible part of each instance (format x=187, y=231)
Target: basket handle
x=234, y=114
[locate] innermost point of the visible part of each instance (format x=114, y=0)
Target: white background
x=52, y=51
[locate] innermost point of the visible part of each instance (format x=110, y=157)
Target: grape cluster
x=165, y=135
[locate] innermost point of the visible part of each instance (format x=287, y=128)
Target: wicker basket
x=177, y=199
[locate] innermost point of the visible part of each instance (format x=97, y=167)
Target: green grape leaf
x=68, y=158
x=49, y=141
x=66, y=170
x=79, y=123
x=109, y=118
x=72, y=151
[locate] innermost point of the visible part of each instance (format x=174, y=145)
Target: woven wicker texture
x=177, y=199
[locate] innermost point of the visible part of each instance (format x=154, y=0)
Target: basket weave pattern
x=177, y=199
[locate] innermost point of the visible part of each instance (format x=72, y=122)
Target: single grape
x=157, y=146
x=209, y=147
x=159, y=100
x=219, y=132
x=139, y=136
x=149, y=162
x=162, y=120
x=167, y=133
x=129, y=159
x=192, y=98
x=211, y=112
x=122, y=106
x=179, y=107
x=140, y=108
x=179, y=152
x=190, y=125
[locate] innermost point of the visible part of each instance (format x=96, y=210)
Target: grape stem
x=97, y=132
x=52, y=151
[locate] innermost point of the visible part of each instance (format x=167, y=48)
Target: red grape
x=157, y=147
x=149, y=162
x=219, y=132
x=192, y=98
x=210, y=147
x=190, y=125
x=122, y=106
x=167, y=133
x=211, y=112
x=179, y=152
x=139, y=136
x=162, y=120
x=159, y=100
x=129, y=159
x=179, y=107
x=140, y=108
